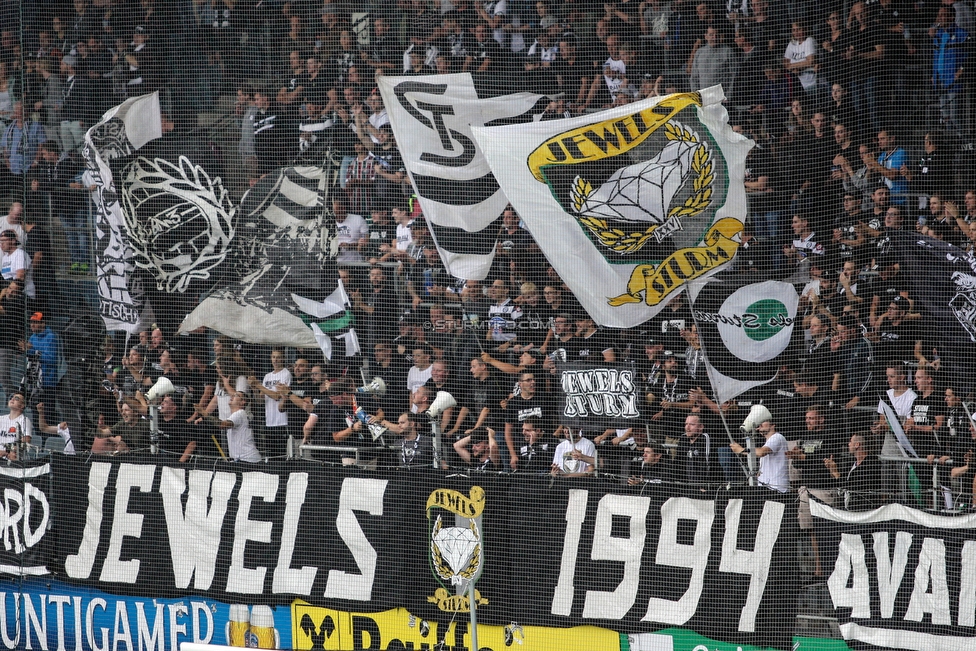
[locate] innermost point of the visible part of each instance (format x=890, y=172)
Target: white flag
x=631, y=203
x=432, y=117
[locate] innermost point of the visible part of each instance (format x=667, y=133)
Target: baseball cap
x=37, y=316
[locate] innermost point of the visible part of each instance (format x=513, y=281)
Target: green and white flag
x=745, y=330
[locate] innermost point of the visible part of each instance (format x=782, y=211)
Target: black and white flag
x=942, y=278
x=598, y=394
x=283, y=288
x=432, y=118
x=121, y=131
x=745, y=331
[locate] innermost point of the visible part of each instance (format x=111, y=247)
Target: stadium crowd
x=836, y=95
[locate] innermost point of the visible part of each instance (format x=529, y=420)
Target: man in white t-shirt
x=800, y=57
x=15, y=427
x=773, y=464
x=422, y=368
x=240, y=438
x=275, y=420
x=901, y=398
x=14, y=221
x=575, y=455
x=15, y=263
x=351, y=232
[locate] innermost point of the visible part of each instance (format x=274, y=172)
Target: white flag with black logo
x=745, y=331
x=432, y=117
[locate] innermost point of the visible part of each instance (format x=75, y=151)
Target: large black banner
x=552, y=553
x=25, y=518
x=903, y=578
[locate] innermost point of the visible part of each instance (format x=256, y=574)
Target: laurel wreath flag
x=623, y=242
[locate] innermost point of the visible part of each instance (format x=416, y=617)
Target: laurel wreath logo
x=625, y=243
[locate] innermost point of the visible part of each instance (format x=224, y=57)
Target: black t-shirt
x=176, y=434
x=821, y=364
x=571, y=76
x=666, y=327
x=925, y=411
x=397, y=397
x=590, y=349
x=519, y=409
x=488, y=393
x=674, y=390
x=865, y=41
x=296, y=415
x=896, y=342
x=536, y=457
x=196, y=382
x=788, y=407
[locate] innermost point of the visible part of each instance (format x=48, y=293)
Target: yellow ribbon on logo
x=608, y=137
x=458, y=503
x=657, y=282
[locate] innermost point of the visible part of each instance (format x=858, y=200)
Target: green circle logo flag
x=756, y=321
x=769, y=313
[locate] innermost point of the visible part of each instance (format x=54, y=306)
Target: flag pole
x=750, y=472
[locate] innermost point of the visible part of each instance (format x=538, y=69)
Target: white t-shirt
x=902, y=404
x=417, y=378
x=615, y=83
x=796, y=52
x=273, y=417
x=774, y=467
x=563, y=456
x=351, y=230
x=8, y=428
x=11, y=263
x=403, y=237
x=223, y=398
x=240, y=439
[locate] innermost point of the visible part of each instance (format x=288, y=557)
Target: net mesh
x=292, y=356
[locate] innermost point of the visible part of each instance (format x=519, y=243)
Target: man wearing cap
x=673, y=397
x=139, y=77
x=46, y=346
x=898, y=333
x=14, y=263
x=75, y=105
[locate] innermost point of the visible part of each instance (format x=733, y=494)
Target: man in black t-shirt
x=536, y=448
x=673, y=398
x=180, y=438
x=486, y=391
x=199, y=379
x=897, y=333
x=526, y=403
